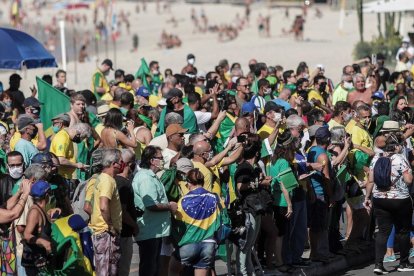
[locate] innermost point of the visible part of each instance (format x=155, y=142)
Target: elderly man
x=28, y=130
x=106, y=217
x=62, y=147
x=150, y=196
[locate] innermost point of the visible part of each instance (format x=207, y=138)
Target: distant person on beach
x=135, y=43
x=83, y=54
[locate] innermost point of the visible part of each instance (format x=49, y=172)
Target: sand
x=324, y=43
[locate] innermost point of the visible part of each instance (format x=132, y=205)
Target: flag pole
x=63, y=43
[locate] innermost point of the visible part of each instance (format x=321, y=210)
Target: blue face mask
x=55, y=129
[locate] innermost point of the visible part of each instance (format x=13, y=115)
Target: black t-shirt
x=169, y=110
x=6, y=187
x=126, y=196
x=246, y=174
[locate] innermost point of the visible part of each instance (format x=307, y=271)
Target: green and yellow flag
x=52, y=103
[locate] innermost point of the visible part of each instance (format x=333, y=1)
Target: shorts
x=199, y=255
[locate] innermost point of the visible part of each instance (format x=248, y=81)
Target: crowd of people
x=190, y=165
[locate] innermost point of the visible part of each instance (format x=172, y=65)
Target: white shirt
x=202, y=119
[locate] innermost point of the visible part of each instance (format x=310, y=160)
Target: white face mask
x=277, y=117
x=348, y=85
x=191, y=61
x=348, y=117
x=368, y=84
x=210, y=155
x=268, y=91
x=16, y=172
x=155, y=72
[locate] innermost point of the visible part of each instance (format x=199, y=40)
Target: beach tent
x=381, y=6
x=19, y=50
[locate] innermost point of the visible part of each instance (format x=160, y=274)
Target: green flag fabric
x=143, y=72
x=52, y=103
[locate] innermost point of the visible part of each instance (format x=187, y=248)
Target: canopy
x=380, y=6
x=19, y=49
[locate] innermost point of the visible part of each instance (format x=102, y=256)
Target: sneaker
x=301, y=264
x=405, y=267
x=389, y=259
x=380, y=270
x=411, y=253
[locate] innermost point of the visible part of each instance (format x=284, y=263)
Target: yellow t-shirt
x=332, y=123
x=16, y=137
x=105, y=186
x=265, y=131
x=211, y=177
x=62, y=146
x=350, y=126
x=107, y=97
x=89, y=189
x=99, y=127
x=361, y=137
x=313, y=94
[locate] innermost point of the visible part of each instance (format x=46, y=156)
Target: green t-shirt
x=275, y=168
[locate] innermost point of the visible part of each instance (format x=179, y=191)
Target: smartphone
x=374, y=59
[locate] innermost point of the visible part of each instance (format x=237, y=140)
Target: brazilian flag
x=198, y=216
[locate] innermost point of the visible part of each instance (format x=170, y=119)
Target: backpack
x=78, y=200
x=382, y=173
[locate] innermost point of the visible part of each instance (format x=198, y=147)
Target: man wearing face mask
x=363, y=145
x=28, y=131
x=341, y=91
x=175, y=104
x=63, y=148
x=274, y=116
x=99, y=83
x=15, y=169
x=190, y=65
x=150, y=196
x=60, y=122
x=126, y=195
x=341, y=116
x=258, y=99
x=32, y=109
x=209, y=164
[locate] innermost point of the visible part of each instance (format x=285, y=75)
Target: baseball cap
x=102, y=110
x=272, y=106
x=31, y=101
x=108, y=62
x=174, y=129
x=322, y=132
x=63, y=116
x=14, y=77
x=248, y=108
x=40, y=188
x=201, y=75
x=162, y=102
x=23, y=121
x=184, y=165
x=143, y=92
x=390, y=126
x=42, y=158
x=378, y=95
x=174, y=92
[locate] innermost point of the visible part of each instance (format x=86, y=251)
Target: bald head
x=136, y=84
x=242, y=125
x=201, y=147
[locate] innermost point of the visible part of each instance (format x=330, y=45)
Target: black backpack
x=382, y=173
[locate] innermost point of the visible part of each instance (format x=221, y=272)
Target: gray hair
x=358, y=76
x=173, y=118
x=118, y=93
x=110, y=156
x=36, y=171
x=127, y=155
x=195, y=137
x=294, y=121
x=84, y=130
x=170, y=79
x=337, y=135
x=155, y=114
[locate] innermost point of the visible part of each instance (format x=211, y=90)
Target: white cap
x=201, y=75
x=162, y=102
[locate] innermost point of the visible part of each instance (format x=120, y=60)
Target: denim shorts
x=198, y=255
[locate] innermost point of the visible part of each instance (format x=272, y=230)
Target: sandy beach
x=324, y=43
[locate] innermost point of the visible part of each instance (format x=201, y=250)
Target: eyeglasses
x=245, y=85
x=159, y=158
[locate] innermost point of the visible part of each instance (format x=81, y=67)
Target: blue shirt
x=316, y=178
x=27, y=149
x=286, y=106
x=149, y=191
